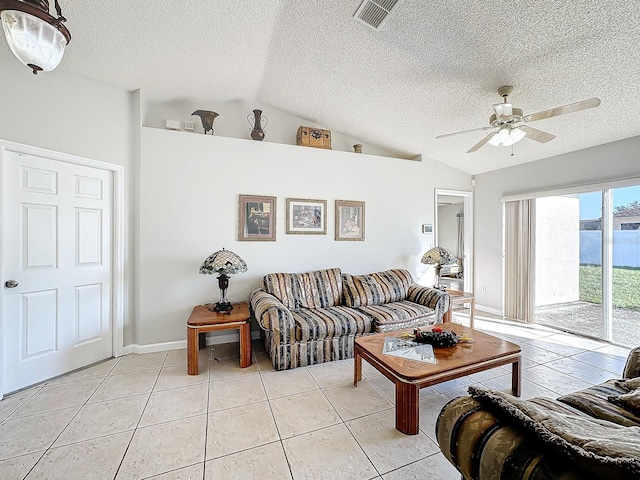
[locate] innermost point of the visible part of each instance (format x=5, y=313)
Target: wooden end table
x=456, y=297
x=409, y=376
x=203, y=320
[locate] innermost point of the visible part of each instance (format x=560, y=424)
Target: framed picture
x=257, y=218
x=349, y=220
x=306, y=216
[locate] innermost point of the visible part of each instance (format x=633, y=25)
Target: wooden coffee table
x=410, y=376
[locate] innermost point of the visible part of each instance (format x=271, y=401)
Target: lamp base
x=223, y=307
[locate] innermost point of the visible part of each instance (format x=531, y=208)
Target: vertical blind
x=519, y=259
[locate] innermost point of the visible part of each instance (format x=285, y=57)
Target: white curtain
x=519, y=259
x=460, y=252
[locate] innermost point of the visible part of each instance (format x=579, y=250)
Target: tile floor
x=142, y=416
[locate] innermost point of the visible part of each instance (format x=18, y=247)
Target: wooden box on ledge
x=313, y=137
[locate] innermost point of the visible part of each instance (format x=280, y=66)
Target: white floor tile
x=17, y=468
x=169, y=405
x=303, y=413
x=352, y=402
x=261, y=463
x=57, y=397
x=125, y=385
x=328, y=453
x=96, y=459
x=164, y=448
x=104, y=418
x=385, y=446
x=34, y=433
x=241, y=428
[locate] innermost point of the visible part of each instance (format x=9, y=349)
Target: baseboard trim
x=153, y=347
x=178, y=344
x=493, y=311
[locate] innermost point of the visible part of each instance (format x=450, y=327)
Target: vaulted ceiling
x=432, y=68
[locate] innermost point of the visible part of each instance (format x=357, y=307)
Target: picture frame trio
x=257, y=218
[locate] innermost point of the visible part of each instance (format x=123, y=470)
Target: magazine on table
x=408, y=349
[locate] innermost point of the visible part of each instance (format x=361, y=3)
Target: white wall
x=189, y=209
x=280, y=127
x=557, y=247
x=448, y=227
x=611, y=161
x=68, y=114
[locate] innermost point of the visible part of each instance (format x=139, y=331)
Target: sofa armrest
x=481, y=446
x=272, y=315
x=430, y=297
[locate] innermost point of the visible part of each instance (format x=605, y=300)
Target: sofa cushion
x=318, y=289
x=376, y=288
x=594, y=401
x=399, y=315
x=603, y=447
x=320, y=323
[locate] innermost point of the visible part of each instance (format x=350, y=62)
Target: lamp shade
x=223, y=262
x=436, y=256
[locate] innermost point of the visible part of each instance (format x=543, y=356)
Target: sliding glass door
x=625, y=272
x=587, y=263
x=568, y=263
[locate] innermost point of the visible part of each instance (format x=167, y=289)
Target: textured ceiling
x=433, y=68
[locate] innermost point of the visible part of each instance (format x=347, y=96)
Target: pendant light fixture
x=35, y=37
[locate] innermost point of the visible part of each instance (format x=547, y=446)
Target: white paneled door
x=57, y=239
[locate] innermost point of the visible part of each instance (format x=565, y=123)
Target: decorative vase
x=254, y=119
x=357, y=148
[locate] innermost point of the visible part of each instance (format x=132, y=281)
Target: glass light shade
x=32, y=40
x=223, y=262
x=506, y=137
x=436, y=256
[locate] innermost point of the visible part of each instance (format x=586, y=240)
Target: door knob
x=11, y=284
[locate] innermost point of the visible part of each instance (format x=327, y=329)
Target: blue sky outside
x=591, y=202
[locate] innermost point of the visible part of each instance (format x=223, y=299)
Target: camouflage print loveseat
x=315, y=317
x=590, y=434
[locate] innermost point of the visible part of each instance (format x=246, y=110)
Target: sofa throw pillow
x=376, y=288
x=600, y=446
x=629, y=401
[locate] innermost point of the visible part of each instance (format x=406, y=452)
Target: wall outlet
x=483, y=289
x=188, y=126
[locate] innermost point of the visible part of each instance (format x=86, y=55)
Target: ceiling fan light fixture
x=35, y=37
x=507, y=137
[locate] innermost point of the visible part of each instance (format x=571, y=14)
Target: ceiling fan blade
x=504, y=111
x=481, y=143
x=537, y=135
x=554, y=112
x=465, y=131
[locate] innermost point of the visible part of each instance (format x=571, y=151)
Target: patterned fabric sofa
x=590, y=434
x=314, y=317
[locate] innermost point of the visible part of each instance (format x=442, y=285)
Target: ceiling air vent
x=374, y=12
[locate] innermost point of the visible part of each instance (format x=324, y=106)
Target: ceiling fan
x=510, y=123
